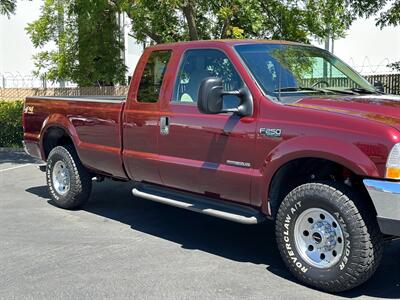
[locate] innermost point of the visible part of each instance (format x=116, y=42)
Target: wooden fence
x=391, y=84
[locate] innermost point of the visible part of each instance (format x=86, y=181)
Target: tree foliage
x=85, y=40
x=7, y=7
x=86, y=48
x=175, y=20
x=391, y=17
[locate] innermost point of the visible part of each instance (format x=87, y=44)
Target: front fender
x=341, y=152
x=335, y=150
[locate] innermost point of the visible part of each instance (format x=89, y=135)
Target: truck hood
x=381, y=108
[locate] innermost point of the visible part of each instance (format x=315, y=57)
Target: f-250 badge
x=271, y=132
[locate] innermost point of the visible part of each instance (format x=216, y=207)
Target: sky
x=366, y=47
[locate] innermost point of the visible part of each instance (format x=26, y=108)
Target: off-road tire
x=362, y=237
x=80, y=179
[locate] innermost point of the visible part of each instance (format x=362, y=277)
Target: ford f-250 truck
x=245, y=131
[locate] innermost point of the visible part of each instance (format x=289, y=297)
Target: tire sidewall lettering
x=347, y=241
x=290, y=249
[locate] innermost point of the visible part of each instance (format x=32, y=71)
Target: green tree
x=87, y=38
x=7, y=7
x=391, y=17
x=173, y=20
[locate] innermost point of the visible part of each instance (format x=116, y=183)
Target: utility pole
x=60, y=25
x=327, y=46
x=122, y=38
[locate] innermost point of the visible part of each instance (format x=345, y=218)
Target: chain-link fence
x=18, y=80
x=391, y=84
x=21, y=93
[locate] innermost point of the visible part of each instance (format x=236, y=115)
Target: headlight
x=393, y=163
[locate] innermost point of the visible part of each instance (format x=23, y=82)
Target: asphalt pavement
x=121, y=247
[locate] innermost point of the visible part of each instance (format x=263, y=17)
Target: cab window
x=153, y=75
x=198, y=64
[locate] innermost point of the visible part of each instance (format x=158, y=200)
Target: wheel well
x=304, y=170
x=55, y=136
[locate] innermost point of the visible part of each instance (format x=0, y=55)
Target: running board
x=42, y=167
x=208, y=206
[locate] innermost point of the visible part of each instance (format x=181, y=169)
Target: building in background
x=16, y=49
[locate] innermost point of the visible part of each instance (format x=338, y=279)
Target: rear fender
x=60, y=121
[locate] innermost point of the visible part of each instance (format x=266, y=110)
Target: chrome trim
x=97, y=99
x=213, y=208
x=319, y=238
x=235, y=163
x=386, y=197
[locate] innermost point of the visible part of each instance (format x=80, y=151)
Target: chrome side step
x=216, y=208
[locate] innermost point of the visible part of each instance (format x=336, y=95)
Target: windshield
x=288, y=72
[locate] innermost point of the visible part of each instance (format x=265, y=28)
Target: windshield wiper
x=339, y=91
x=298, y=88
x=363, y=91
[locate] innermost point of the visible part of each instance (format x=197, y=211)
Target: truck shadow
x=243, y=243
x=17, y=158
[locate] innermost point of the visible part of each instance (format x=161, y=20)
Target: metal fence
x=18, y=80
x=391, y=84
x=21, y=93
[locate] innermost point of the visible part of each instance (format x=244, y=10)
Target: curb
x=5, y=149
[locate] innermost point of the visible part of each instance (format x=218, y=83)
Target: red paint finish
x=114, y=138
x=93, y=127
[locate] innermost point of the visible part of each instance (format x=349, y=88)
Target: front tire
x=328, y=236
x=68, y=182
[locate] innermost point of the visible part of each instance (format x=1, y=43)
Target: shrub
x=11, y=123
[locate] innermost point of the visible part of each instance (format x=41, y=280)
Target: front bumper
x=386, y=198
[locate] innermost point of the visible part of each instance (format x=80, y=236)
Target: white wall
x=16, y=49
x=368, y=48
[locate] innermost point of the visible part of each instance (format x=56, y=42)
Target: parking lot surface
x=123, y=247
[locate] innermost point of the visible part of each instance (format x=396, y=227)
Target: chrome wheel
x=61, y=178
x=319, y=238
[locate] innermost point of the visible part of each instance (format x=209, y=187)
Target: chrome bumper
x=385, y=196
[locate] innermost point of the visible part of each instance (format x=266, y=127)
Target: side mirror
x=378, y=86
x=210, y=98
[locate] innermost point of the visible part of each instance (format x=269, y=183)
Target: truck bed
x=94, y=123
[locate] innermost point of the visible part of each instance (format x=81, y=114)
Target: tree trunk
x=188, y=12
x=225, y=28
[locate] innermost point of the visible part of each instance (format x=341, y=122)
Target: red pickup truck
x=246, y=131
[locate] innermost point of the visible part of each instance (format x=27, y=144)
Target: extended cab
x=242, y=130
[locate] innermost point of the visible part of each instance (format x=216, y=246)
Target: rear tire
x=328, y=236
x=68, y=182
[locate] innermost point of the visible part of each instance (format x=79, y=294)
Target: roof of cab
x=230, y=42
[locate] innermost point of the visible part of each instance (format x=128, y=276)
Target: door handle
x=164, y=125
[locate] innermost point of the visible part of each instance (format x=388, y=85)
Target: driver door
x=206, y=154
